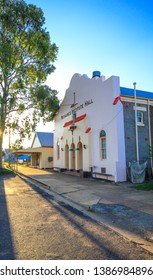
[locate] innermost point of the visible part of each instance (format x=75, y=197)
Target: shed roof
x=46, y=139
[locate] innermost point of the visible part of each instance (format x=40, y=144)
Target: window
x=103, y=170
x=140, y=111
x=140, y=117
x=102, y=144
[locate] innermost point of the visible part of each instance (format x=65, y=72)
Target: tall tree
x=26, y=59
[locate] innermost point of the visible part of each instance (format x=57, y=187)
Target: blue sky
x=112, y=36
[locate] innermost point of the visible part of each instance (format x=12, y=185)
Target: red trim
x=88, y=130
x=67, y=123
x=80, y=118
x=118, y=98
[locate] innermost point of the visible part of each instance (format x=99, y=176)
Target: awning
x=30, y=151
x=80, y=118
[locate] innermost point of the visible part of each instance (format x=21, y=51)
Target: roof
x=46, y=139
x=139, y=93
x=30, y=151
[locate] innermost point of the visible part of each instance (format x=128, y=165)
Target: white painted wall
x=101, y=115
x=36, y=142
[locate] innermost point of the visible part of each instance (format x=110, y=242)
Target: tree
x=3, y=153
x=26, y=59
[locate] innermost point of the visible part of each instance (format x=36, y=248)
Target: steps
x=73, y=172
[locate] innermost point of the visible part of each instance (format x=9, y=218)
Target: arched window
x=103, y=154
x=58, y=150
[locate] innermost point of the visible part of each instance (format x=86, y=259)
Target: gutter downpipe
x=149, y=126
x=136, y=127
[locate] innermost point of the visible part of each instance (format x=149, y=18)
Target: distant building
x=95, y=128
x=41, y=150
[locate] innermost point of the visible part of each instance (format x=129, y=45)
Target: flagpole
x=149, y=126
x=136, y=126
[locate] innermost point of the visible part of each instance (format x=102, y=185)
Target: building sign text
x=83, y=105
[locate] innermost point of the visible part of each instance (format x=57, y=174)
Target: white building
x=89, y=129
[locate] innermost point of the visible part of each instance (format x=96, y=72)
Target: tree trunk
x=1, y=142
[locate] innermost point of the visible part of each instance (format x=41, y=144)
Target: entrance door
x=72, y=156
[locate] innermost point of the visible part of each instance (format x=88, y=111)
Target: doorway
x=72, y=149
x=79, y=156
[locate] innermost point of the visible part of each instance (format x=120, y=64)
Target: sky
x=114, y=37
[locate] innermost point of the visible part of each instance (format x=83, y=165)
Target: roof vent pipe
x=96, y=74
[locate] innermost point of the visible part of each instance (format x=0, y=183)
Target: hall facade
x=95, y=128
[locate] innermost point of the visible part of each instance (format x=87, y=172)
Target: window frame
x=140, y=110
x=140, y=117
x=103, y=145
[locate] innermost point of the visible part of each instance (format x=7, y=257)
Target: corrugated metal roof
x=139, y=93
x=46, y=138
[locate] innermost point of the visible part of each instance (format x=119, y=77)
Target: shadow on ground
x=6, y=241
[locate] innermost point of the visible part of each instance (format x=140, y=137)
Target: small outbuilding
x=41, y=150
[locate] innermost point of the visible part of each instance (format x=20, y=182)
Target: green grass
x=24, y=164
x=145, y=186
x=6, y=164
x=6, y=171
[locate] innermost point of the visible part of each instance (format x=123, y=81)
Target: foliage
x=26, y=57
x=17, y=145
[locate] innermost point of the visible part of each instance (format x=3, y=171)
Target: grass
x=6, y=171
x=6, y=164
x=148, y=186
x=24, y=164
